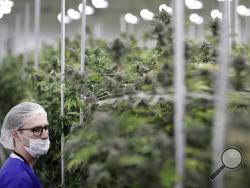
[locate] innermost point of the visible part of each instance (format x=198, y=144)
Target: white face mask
x=37, y=147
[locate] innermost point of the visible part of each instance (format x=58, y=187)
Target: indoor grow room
x=139, y=93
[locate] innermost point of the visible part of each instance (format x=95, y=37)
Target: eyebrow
x=40, y=126
x=33, y=127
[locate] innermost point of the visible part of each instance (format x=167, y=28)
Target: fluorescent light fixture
x=194, y=4
x=5, y=7
x=130, y=18
x=73, y=14
x=216, y=14
x=166, y=8
x=5, y=10
x=89, y=10
x=6, y=3
x=146, y=14
x=67, y=20
x=10, y=3
x=100, y=3
x=195, y=18
x=1, y=15
x=243, y=10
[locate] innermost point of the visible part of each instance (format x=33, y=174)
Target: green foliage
x=12, y=81
x=126, y=95
x=240, y=67
x=115, y=155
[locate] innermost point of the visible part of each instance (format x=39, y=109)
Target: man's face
x=34, y=128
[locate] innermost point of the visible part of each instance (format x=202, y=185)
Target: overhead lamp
x=100, y=3
x=146, y=14
x=224, y=0
x=67, y=20
x=88, y=10
x=216, y=14
x=73, y=14
x=5, y=10
x=243, y=10
x=195, y=18
x=194, y=4
x=5, y=6
x=130, y=18
x=166, y=8
x=7, y=3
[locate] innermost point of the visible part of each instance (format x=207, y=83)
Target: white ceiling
x=105, y=23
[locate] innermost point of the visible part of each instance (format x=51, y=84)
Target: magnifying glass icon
x=231, y=158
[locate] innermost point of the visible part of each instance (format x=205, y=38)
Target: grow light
x=67, y=20
x=195, y=18
x=193, y=4
x=130, y=18
x=6, y=3
x=243, y=10
x=216, y=14
x=166, y=8
x=89, y=10
x=73, y=14
x=5, y=7
x=224, y=0
x=100, y=3
x=5, y=10
x=146, y=14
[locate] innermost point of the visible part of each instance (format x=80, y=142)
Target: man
x=25, y=131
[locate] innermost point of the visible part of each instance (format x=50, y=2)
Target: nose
x=45, y=134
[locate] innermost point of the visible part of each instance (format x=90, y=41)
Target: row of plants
x=126, y=95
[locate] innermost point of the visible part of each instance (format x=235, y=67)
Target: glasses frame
x=34, y=131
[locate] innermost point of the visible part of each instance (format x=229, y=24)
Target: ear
x=14, y=134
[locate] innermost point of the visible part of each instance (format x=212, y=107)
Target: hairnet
x=16, y=118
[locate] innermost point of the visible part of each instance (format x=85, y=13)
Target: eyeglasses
x=37, y=131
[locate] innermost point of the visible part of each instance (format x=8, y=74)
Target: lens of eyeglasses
x=38, y=131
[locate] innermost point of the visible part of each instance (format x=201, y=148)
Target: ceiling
x=105, y=23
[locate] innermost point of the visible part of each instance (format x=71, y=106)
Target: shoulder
x=13, y=174
x=17, y=181
x=12, y=164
